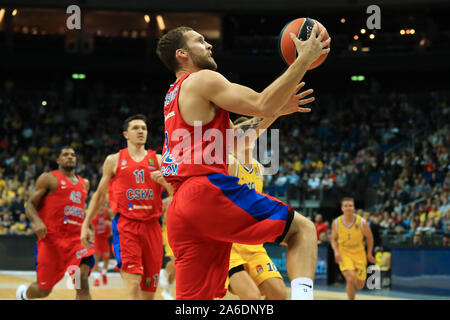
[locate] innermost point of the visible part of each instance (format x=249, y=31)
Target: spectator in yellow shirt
x=434, y=212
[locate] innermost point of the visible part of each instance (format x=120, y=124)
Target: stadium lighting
x=147, y=18
x=160, y=21
x=363, y=31
x=358, y=78
x=80, y=76
x=343, y=20
x=412, y=31
x=356, y=37
x=372, y=36
x=44, y=103
x=2, y=14
x=14, y=13
x=402, y=32
x=355, y=48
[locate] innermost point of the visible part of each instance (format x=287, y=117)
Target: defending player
x=210, y=210
x=56, y=212
x=102, y=227
x=134, y=181
x=251, y=272
x=347, y=240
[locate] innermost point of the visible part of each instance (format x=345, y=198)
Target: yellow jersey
x=350, y=238
x=252, y=177
x=254, y=258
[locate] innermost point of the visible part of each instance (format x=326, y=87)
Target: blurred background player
x=347, y=240
x=134, y=177
x=102, y=228
x=167, y=274
x=56, y=212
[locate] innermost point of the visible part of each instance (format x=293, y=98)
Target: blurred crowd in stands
x=388, y=150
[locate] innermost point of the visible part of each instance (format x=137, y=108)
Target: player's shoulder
x=47, y=176
x=112, y=158
x=47, y=180
x=205, y=79
x=336, y=221
x=111, y=162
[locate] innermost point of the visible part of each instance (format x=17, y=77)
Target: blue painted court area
x=388, y=293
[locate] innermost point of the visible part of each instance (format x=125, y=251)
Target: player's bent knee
x=303, y=227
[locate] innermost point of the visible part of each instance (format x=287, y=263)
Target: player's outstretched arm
x=98, y=198
x=45, y=184
x=236, y=98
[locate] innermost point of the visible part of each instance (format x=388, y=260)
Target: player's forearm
x=169, y=188
x=31, y=213
x=334, y=245
x=257, y=123
x=369, y=240
x=277, y=94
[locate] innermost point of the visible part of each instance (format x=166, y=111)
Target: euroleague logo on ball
x=308, y=33
x=302, y=27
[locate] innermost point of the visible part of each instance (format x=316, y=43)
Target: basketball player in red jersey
x=135, y=184
x=56, y=212
x=102, y=228
x=210, y=210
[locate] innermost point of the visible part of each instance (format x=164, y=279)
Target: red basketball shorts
x=56, y=254
x=138, y=248
x=101, y=247
x=208, y=214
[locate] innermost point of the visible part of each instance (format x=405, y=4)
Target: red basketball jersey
x=192, y=151
x=102, y=229
x=135, y=194
x=63, y=209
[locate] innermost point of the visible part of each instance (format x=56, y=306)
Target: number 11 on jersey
x=139, y=176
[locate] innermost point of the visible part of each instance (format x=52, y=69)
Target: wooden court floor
x=114, y=290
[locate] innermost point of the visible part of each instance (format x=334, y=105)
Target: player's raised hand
x=39, y=228
x=296, y=100
x=312, y=48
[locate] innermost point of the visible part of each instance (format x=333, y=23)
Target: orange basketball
x=302, y=28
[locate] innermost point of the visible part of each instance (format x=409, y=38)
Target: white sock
x=103, y=271
x=302, y=289
x=24, y=294
x=96, y=275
